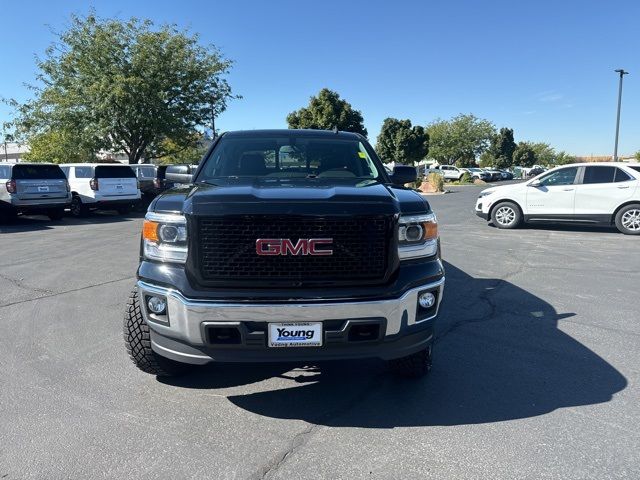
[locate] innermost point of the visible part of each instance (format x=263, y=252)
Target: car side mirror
x=403, y=174
x=179, y=174
x=534, y=183
x=179, y=177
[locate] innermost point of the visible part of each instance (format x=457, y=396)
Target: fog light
x=427, y=300
x=157, y=305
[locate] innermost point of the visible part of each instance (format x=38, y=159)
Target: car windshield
x=289, y=156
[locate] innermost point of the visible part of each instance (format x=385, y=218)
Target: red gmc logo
x=284, y=246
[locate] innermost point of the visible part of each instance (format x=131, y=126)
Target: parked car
x=495, y=174
x=450, y=172
x=535, y=171
x=37, y=188
x=589, y=193
x=178, y=174
x=506, y=175
x=146, y=175
x=220, y=259
x=479, y=174
x=101, y=186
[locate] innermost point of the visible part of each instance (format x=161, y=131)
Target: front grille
x=227, y=248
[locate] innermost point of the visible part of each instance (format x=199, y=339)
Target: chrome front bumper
x=187, y=318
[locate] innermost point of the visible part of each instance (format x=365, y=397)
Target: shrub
x=436, y=181
x=466, y=178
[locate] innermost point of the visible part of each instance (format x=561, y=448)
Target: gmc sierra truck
x=287, y=245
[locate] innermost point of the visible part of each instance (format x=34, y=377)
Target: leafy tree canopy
x=563, y=158
x=125, y=86
x=327, y=111
x=191, y=154
x=462, y=138
x=525, y=155
x=501, y=149
x=400, y=142
x=57, y=146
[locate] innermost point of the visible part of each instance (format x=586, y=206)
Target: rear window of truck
x=115, y=172
x=39, y=172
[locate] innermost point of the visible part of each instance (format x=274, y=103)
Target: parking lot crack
x=18, y=282
x=50, y=294
x=302, y=438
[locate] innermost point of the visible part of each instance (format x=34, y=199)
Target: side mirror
x=179, y=174
x=403, y=174
x=535, y=183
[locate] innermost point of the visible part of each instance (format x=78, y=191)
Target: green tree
x=327, y=111
x=57, y=146
x=502, y=148
x=563, y=158
x=524, y=156
x=637, y=155
x=401, y=142
x=126, y=86
x=463, y=138
x=190, y=154
x=545, y=153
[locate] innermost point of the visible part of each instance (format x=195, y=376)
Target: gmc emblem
x=284, y=246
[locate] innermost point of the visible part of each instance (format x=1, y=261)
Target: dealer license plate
x=298, y=334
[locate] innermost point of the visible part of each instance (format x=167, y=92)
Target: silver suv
x=38, y=188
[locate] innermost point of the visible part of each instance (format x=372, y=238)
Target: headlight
x=164, y=237
x=485, y=193
x=417, y=236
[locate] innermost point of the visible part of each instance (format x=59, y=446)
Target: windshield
x=289, y=157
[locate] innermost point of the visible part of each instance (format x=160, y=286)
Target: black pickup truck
x=288, y=245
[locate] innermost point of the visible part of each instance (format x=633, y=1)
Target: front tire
x=416, y=365
x=506, y=215
x=628, y=219
x=137, y=340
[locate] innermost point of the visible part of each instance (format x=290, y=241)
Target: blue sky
x=544, y=68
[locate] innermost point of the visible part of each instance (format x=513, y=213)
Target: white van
x=101, y=186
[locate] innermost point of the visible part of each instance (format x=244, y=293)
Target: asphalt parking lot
x=535, y=373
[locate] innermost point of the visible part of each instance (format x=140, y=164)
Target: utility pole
x=615, y=149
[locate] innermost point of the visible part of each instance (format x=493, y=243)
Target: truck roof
x=293, y=132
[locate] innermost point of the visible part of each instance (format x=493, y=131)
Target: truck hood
x=290, y=197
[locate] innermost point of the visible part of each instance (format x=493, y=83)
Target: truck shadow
x=499, y=356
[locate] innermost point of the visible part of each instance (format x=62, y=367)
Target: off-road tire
x=515, y=215
x=137, y=340
x=78, y=209
x=626, y=219
x=416, y=365
x=55, y=214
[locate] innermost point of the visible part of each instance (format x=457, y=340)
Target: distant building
x=12, y=152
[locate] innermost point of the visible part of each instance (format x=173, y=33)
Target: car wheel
x=55, y=213
x=506, y=215
x=416, y=365
x=78, y=209
x=137, y=340
x=628, y=219
x=8, y=215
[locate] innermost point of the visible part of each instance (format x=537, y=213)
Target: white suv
x=101, y=186
x=594, y=193
x=451, y=172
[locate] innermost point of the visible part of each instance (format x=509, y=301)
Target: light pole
x=615, y=149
